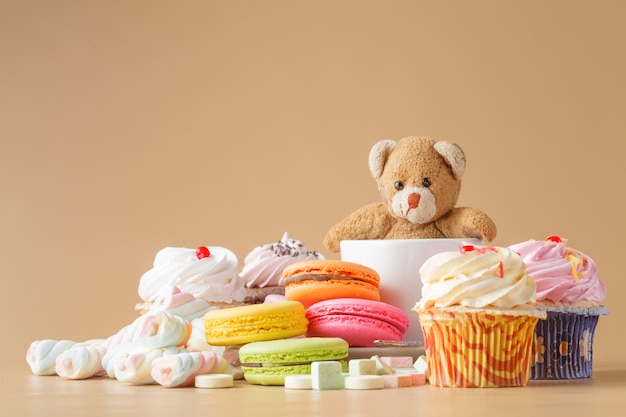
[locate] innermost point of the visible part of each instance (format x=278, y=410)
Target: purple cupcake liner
x=563, y=347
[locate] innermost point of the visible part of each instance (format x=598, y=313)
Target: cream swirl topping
x=212, y=276
x=483, y=276
x=264, y=265
x=562, y=274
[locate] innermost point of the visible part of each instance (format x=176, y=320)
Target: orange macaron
x=322, y=279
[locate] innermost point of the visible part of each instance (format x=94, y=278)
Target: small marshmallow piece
x=381, y=367
x=197, y=340
x=358, y=367
x=135, y=365
x=326, y=375
x=180, y=303
x=180, y=370
x=397, y=381
x=81, y=361
x=272, y=298
x=421, y=365
x=398, y=361
x=364, y=382
x=42, y=355
x=155, y=329
x=214, y=381
x=417, y=379
x=298, y=382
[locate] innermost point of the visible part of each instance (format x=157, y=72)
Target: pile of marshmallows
x=163, y=346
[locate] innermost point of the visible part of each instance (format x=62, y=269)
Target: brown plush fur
x=419, y=180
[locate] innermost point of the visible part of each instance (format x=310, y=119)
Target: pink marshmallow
x=417, y=379
x=42, y=355
x=80, y=361
x=398, y=380
x=398, y=361
x=156, y=329
x=181, y=369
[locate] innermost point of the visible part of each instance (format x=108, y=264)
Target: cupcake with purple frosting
x=569, y=290
x=263, y=267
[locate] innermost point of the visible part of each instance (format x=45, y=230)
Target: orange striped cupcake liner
x=482, y=348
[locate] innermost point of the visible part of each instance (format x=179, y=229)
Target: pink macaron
x=356, y=320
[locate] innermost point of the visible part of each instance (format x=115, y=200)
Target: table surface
x=24, y=394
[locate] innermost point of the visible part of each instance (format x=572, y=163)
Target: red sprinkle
x=554, y=239
x=203, y=252
x=466, y=248
x=501, y=270
x=481, y=249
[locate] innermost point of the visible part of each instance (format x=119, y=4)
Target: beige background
x=127, y=126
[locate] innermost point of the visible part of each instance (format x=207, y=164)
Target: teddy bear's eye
x=399, y=185
x=426, y=182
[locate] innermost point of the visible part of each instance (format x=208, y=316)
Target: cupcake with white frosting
x=478, y=316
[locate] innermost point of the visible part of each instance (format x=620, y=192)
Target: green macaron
x=268, y=362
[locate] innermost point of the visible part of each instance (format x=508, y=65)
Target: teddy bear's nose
x=414, y=200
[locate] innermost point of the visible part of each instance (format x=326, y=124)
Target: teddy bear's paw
x=472, y=233
x=486, y=234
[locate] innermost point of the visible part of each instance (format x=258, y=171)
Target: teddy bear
x=419, y=180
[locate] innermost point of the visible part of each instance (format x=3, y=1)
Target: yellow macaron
x=256, y=322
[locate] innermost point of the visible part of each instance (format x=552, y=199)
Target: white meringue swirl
x=213, y=278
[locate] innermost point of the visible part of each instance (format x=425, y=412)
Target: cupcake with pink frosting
x=570, y=291
x=263, y=267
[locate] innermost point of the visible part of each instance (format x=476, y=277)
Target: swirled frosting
x=213, y=277
x=264, y=265
x=562, y=274
x=477, y=277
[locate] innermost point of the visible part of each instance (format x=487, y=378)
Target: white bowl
x=398, y=261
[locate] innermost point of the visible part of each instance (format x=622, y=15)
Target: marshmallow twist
x=180, y=370
x=80, y=361
x=42, y=355
x=157, y=329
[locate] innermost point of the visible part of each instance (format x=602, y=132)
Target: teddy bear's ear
x=453, y=155
x=378, y=156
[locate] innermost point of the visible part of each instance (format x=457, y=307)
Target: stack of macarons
x=328, y=306
x=342, y=299
x=267, y=337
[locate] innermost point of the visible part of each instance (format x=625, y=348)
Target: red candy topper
x=203, y=252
